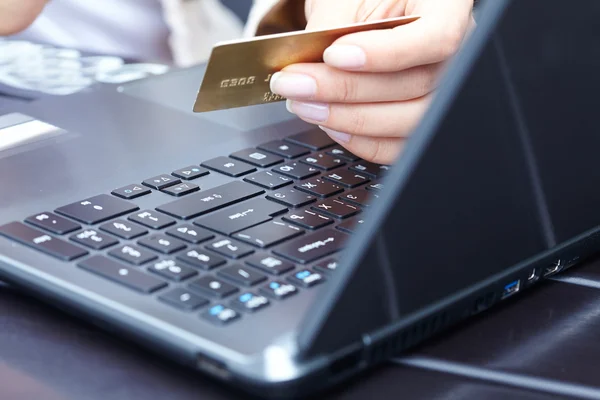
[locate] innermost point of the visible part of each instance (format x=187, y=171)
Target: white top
x=170, y=31
x=127, y=28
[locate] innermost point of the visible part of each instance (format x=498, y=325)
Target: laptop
x=249, y=247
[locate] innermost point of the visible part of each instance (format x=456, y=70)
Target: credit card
x=239, y=71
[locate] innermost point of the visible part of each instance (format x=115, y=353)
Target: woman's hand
x=374, y=86
x=16, y=15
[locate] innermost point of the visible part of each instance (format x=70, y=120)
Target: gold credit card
x=239, y=71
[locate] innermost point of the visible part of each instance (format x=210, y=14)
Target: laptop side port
x=554, y=268
x=533, y=276
x=212, y=366
x=511, y=289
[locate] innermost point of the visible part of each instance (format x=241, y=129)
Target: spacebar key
x=311, y=247
x=123, y=274
x=210, y=200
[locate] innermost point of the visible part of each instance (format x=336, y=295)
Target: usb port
x=554, y=268
x=533, y=276
x=511, y=288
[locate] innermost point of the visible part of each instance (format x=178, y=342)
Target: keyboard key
x=319, y=187
x=97, y=209
x=269, y=180
x=312, y=247
x=201, y=259
x=122, y=274
x=257, y=158
x=245, y=276
x=291, y=198
x=152, y=219
x=191, y=172
x=297, y=170
x=41, y=241
x=308, y=219
x=284, y=149
x=351, y=225
x=269, y=264
x=172, y=270
x=375, y=186
x=123, y=229
x=347, y=178
x=306, y=278
x=278, y=290
x=213, y=287
x=162, y=244
x=220, y=315
x=210, y=200
x=328, y=265
x=229, y=166
x=190, y=234
x=130, y=192
x=132, y=254
x=53, y=223
x=337, y=208
x=93, y=239
x=249, y=302
x=370, y=169
x=182, y=189
x=340, y=152
x=230, y=248
x=183, y=299
x=323, y=161
x=268, y=234
x=314, y=139
x=359, y=197
x=161, y=181
x=236, y=218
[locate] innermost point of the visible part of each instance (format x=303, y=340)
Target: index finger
x=431, y=39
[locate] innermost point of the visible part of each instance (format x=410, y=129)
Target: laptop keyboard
x=273, y=231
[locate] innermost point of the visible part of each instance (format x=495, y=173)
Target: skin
x=372, y=105
x=16, y=15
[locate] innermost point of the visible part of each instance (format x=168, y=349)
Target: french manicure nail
x=337, y=136
x=345, y=56
x=318, y=112
x=293, y=85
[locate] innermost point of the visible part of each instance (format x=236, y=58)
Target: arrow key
x=191, y=172
x=131, y=191
x=161, y=181
x=181, y=189
x=190, y=234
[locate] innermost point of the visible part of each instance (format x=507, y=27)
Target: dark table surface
x=543, y=344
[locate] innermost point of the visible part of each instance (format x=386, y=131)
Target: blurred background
x=75, y=44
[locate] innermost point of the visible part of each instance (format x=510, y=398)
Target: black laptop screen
x=504, y=170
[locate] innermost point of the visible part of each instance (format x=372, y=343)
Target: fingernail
x=292, y=85
x=345, y=56
x=318, y=112
x=337, y=136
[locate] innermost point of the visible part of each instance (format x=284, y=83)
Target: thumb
x=321, y=14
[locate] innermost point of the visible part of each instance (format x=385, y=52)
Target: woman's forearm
x=16, y=15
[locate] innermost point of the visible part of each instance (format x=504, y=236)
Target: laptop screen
x=502, y=170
